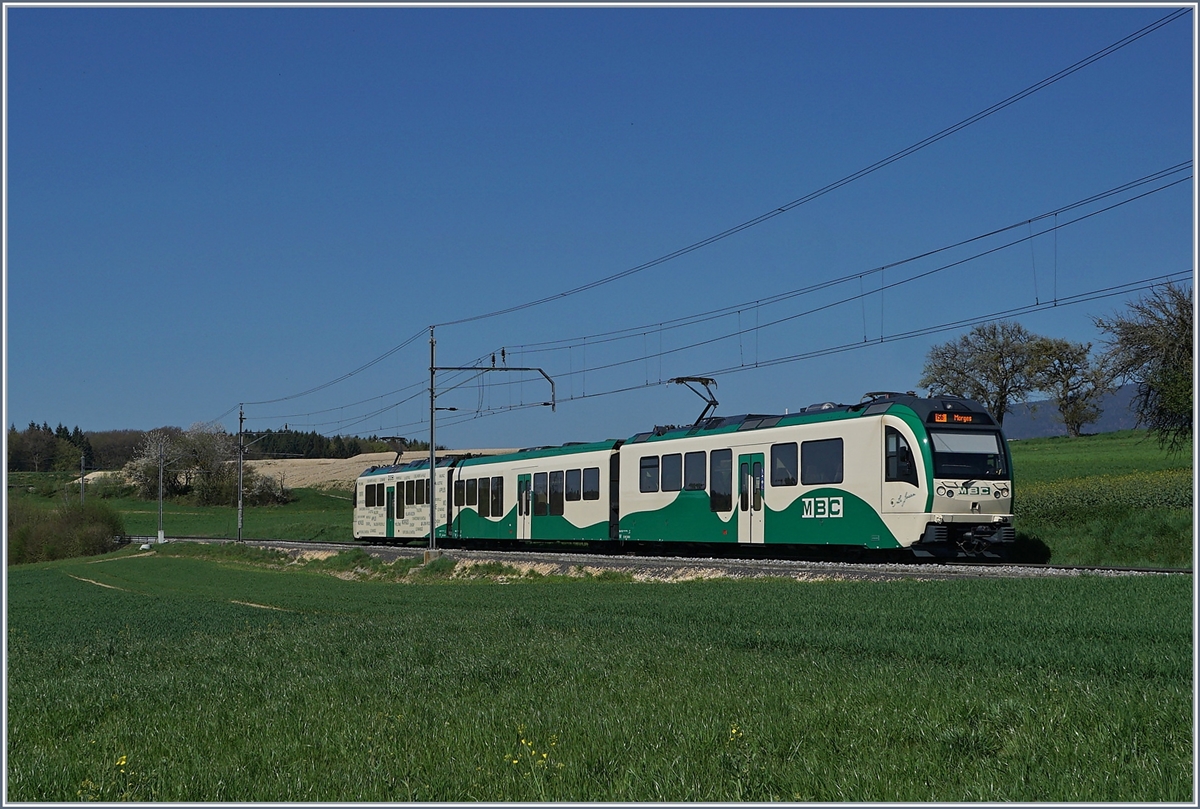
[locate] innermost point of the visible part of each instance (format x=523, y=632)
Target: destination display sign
x=959, y=418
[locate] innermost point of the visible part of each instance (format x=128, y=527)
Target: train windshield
x=973, y=455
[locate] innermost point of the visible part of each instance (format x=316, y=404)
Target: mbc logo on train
x=822, y=506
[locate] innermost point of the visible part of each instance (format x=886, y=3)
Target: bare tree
x=1152, y=347
x=991, y=364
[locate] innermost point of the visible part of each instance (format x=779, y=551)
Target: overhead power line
x=1083, y=297
x=599, y=338
x=887, y=161
x=741, y=331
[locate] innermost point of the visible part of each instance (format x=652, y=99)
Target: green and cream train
x=894, y=471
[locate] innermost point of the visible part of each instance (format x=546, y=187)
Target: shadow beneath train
x=1029, y=548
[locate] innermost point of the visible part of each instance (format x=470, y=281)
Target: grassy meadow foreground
x=170, y=676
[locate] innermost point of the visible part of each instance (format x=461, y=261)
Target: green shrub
x=347, y=561
x=72, y=529
x=441, y=567
x=108, y=487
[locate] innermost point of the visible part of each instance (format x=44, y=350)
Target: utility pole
x=162, y=459
x=432, y=446
x=241, y=458
x=433, y=368
x=81, y=480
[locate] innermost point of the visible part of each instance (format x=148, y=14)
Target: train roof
x=571, y=448
x=423, y=463
x=872, y=404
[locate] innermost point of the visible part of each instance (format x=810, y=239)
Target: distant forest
x=41, y=448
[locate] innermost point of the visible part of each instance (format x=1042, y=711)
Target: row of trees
x=314, y=445
x=38, y=448
x=1001, y=364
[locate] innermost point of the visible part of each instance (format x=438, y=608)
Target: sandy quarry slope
x=333, y=473
x=339, y=473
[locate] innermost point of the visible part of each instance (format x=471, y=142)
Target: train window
x=672, y=472
x=720, y=475
x=968, y=455
x=460, y=493
x=399, y=504
x=556, y=493
x=497, y=497
x=591, y=483
x=472, y=492
x=648, y=478
x=422, y=485
x=522, y=495
x=574, y=484
x=783, y=464
x=541, y=502
x=693, y=472
x=370, y=495
x=900, y=466
x=821, y=462
x=485, y=498
x=410, y=496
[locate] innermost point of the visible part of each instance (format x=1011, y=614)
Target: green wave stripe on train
x=800, y=522
x=807, y=520
x=469, y=525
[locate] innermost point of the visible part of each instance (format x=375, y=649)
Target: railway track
x=679, y=568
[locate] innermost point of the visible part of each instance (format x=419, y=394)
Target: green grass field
x=189, y=679
x=1110, y=499
x=314, y=514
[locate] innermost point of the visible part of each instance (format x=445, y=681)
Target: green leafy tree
x=1074, y=380
x=992, y=364
x=1151, y=347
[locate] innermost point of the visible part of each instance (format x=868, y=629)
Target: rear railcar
x=392, y=502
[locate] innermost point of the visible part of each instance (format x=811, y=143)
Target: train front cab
x=968, y=472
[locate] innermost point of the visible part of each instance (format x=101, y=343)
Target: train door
x=524, y=490
x=750, y=493
x=391, y=512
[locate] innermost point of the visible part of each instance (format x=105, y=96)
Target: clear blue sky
x=208, y=206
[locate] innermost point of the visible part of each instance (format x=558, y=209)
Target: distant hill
x=1040, y=419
